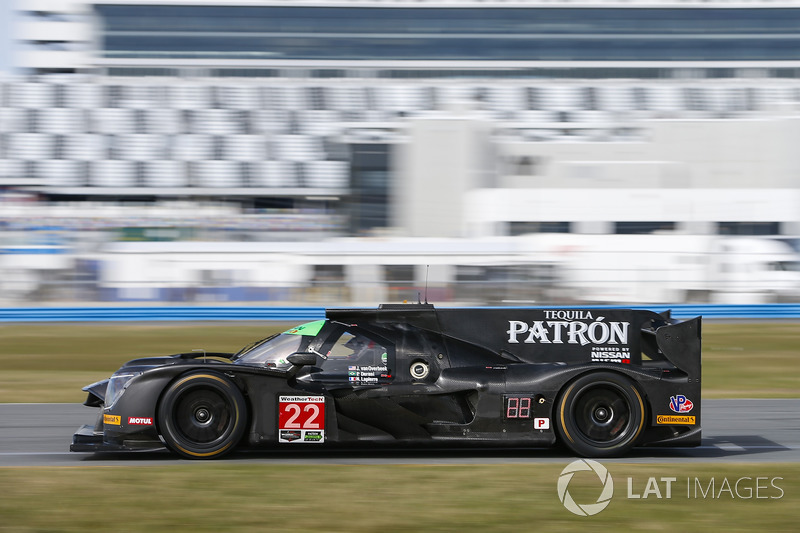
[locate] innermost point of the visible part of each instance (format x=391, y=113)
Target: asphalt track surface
x=734, y=431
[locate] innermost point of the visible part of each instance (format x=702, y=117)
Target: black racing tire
x=600, y=414
x=202, y=415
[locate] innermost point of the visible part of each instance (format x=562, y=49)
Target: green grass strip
x=388, y=498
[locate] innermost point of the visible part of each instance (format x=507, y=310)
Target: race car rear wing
x=679, y=343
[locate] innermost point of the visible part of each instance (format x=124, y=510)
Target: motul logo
x=138, y=421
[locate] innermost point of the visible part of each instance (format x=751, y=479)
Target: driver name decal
x=367, y=375
x=301, y=419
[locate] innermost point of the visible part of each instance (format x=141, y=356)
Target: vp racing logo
x=680, y=404
x=587, y=509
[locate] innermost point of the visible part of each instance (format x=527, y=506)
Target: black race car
x=600, y=381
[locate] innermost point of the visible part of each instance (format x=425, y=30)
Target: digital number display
x=518, y=406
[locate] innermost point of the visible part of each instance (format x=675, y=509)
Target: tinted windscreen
x=273, y=353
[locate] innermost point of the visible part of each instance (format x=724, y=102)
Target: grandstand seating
x=153, y=133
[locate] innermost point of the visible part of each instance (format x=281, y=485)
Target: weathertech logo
x=140, y=421
x=675, y=419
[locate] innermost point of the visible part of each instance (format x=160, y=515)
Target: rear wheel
x=202, y=416
x=600, y=414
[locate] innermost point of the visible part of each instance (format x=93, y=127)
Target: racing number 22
x=310, y=416
x=301, y=419
x=301, y=412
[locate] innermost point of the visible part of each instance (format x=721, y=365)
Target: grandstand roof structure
x=405, y=38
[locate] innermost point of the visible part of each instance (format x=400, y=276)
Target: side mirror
x=302, y=358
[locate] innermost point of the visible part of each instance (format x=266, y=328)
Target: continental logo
x=112, y=420
x=675, y=419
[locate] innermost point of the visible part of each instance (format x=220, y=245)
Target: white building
x=437, y=117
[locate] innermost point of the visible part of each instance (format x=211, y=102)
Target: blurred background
x=366, y=151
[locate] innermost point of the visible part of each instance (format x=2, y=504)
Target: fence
x=305, y=314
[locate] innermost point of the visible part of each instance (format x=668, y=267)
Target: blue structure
x=304, y=314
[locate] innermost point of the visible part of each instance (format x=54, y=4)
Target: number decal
x=301, y=419
x=291, y=424
x=309, y=423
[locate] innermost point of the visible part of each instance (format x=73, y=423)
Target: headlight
x=117, y=385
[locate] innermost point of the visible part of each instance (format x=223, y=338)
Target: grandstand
x=332, y=106
x=290, y=143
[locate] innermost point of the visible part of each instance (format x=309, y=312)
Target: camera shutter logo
x=588, y=509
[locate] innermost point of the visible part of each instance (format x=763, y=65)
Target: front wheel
x=202, y=416
x=600, y=414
